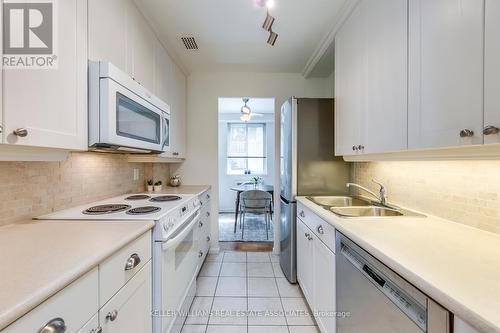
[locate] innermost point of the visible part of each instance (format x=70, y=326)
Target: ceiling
x=230, y=37
x=257, y=105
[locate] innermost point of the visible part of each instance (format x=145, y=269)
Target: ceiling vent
x=189, y=43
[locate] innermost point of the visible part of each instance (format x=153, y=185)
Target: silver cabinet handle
x=302, y=214
x=21, y=132
x=208, y=196
x=354, y=148
x=56, y=325
x=208, y=238
x=97, y=330
x=1, y=129
x=112, y=315
x=489, y=130
x=361, y=147
x=175, y=153
x=308, y=236
x=200, y=254
x=320, y=230
x=466, y=133
x=132, y=262
x=200, y=224
x=208, y=214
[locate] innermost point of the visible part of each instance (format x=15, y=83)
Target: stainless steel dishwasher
x=377, y=300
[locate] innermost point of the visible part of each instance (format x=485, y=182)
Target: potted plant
x=157, y=186
x=256, y=181
x=150, y=185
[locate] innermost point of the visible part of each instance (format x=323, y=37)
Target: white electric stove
x=174, y=250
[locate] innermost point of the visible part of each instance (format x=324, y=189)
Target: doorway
x=246, y=134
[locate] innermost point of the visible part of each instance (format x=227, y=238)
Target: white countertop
x=456, y=265
x=40, y=258
x=183, y=189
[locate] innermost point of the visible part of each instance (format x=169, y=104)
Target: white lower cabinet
x=129, y=311
x=92, y=326
x=324, y=286
x=203, y=229
x=316, y=274
x=72, y=307
x=304, y=262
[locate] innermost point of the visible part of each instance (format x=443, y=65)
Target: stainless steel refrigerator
x=308, y=166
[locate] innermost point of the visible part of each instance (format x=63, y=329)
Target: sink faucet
x=382, y=197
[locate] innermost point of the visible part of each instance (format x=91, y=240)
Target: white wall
x=204, y=89
x=227, y=197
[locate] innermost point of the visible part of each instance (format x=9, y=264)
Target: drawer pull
x=302, y=214
x=97, y=330
x=112, y=315
x=200, y=224
x=200, y=254
x=208, y=214
x=320, y=229
x=308, y=236
x=56, y=325
x=208, y=196
x=132, y=262
x=208, y=238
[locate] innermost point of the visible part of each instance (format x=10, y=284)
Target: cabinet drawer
x=205, y=200
x=114, y=272
x=75, y=305
x=129, y=311
x=322, y=229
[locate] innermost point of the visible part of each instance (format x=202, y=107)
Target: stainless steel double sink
x=358, y=207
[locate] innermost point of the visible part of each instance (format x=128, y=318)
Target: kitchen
x=130, y=100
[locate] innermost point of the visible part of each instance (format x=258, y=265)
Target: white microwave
x=123, y=115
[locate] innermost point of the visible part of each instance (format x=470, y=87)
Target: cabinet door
x=51, y=104
x=492, y=72
x=445, y=72
x=385, y=50
x=140, y=47
x=163, y=72
x=304, y=262
x=348, y=90
x=107, y=31
x=324, y=286
x=129, y=311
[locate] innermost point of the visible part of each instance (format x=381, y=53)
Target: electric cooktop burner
x=164, y=198
x=106, y=209
x=143, y=210
x=138, y=197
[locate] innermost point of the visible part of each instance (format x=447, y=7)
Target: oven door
x=127, y=120
x=179, y=260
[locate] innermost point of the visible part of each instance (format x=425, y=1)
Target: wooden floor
x=247, y=246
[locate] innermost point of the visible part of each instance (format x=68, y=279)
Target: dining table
x=248, y=187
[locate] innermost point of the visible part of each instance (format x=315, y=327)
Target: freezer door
x=288, y=179
x=288, y=255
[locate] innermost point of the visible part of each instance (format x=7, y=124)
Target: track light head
x=268, y=22
x=272, y=38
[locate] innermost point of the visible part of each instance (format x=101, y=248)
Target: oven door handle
x=179, y=235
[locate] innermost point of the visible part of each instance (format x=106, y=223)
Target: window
x=246, y=149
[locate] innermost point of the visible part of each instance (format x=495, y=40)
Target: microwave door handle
x=165, y=132
x=176, y=238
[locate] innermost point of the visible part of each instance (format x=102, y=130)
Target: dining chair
x=255, y=202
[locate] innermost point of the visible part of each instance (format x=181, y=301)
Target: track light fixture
x=272, y=38
x=268, y=22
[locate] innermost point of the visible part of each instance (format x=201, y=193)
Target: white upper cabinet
x=141, y=48
x=492, y=73
x=108, y=32
x=48, y=107
x=371, y=79
x=162, y=73
x=445, y=73
x=385, y=50
x=348, y=92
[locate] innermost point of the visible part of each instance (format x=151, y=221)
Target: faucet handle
x=382, y=190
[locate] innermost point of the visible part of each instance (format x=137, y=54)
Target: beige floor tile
x=238, y=269
x=274, y=257
x=205, y=286
x=258, y=257
x=194, y=329
x=297, y=312
x=262, y=287
x=235, y=256
x=265, y=311
x=226, y=329
x=232, y=287
x=229, y=311
x=200, y=311
x=260, y=269
x=278, y=272
x=303, y=329
x=210, y=269
x=287, y=289
x=267, y=329
x=216, y=257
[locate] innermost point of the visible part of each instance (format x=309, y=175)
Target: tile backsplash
x=467, y=192
x=29, y=189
